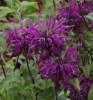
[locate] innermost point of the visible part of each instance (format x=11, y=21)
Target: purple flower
x=17, y=41
x=14, y=41
x=85, y=84
x=72, y=15
x=60, y=69
x=43, y=38
x=86, y=7
x=49, y=39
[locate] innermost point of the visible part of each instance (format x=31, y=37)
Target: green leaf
x=62, y=96
x=17, y=72
x=11, y=80
x=90, y=94
x=47, y=94
x=1, y=50
x=25, y=4
x=15, y=4
x=8, y=2
x=47, y=3
x=40, y=84
x=2, y=26
x=3, y=45
x=2, y=92
x=86, y=70
x=90, y=16
x=75, y=82
x=4, y=11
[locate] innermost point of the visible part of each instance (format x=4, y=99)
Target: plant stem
x=66, y=0
x=77, y=56
x=37, y=96
x=83, y=17
x=31, y=76
x=39, y=4
x=84, y=0
x=16, y=62
x=30, y=73
x=56, y=95
x=3, y=69
x=54, y=4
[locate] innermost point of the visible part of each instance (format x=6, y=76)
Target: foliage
x=46, y=49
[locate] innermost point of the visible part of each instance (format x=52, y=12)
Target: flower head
x=18, y=41
x=72, y=14
x=61, y=69
x=49, y=39
x=85, y=85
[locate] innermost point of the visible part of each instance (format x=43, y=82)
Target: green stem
x=3, y=69
x=30, y=73
x=83, y=17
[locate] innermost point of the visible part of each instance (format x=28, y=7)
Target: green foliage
x=63, y=96
x=18, y=85
x=90, y=94
x=4, y=11
x=86, y=70
x=90, y=16
x=75, y=82
x=3, y=45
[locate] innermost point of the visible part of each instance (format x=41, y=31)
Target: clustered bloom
x=72, y=14
x=85, y=85
x=60, y=69
x=17, y=42
x=48, y=40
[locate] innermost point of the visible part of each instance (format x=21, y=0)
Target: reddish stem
x=39, y=4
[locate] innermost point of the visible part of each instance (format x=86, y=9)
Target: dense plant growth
x=46, y=49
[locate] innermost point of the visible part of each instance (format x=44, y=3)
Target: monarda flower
x=61, y=69
x=17, y=41
x=86, y=7
x=72, y=15
x=48, y=40
x=43, y=38
x=82, y=94
x=14, y=41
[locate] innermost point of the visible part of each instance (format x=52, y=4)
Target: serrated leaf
x=47, y=94
x=90, y=94
x=40, y=84
x=75, y=82
x=90, y=16
x=10, y=79
x=3, y=44
x=15, y=4
x=86, y=70
x=1, y=50
x=62, y=96
x=47, y=3
x=2, y=92
x=26, y=4
x=4, y=11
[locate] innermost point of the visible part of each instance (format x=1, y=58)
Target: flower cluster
x=48, y=40
x=17, y=41
x=72, y=15
x=60, y=69
x=85, y=85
